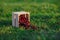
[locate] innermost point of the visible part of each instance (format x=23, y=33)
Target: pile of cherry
x=23, y=21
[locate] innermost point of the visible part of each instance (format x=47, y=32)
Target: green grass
x=43, y=13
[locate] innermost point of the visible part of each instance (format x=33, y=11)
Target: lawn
x=43, y=14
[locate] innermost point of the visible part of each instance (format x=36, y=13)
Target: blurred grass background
x=45, y=14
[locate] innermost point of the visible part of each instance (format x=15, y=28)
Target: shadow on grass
x=5, y=23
